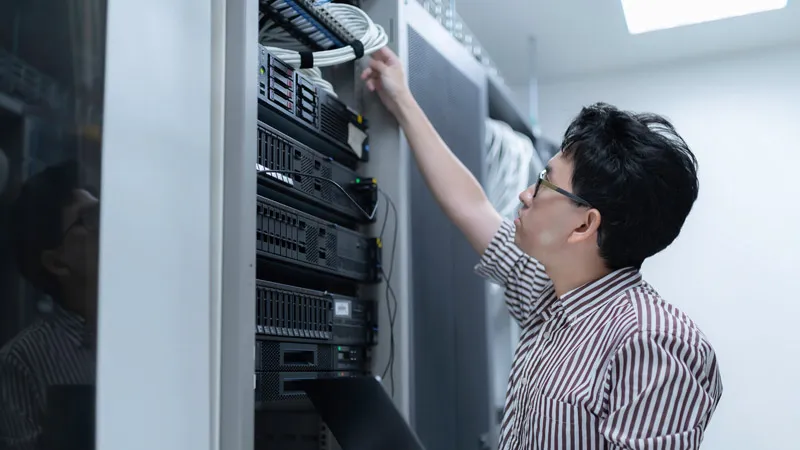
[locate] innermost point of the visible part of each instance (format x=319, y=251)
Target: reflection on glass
x=52, y=61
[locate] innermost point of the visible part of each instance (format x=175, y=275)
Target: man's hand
x=456, y=190
x=386, y=77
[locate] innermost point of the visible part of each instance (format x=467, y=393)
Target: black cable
x=390, y=360
x=391, y=297
x=368, y=215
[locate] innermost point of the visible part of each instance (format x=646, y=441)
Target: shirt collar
x=71, y=323
x=578, y=303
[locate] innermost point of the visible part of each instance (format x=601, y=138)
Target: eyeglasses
x=542, y=181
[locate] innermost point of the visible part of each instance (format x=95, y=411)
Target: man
x=55, y=227
x=603, y=362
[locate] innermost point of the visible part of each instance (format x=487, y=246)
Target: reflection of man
x=55, y=232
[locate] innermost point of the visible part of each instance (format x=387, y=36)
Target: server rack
x=315, y=260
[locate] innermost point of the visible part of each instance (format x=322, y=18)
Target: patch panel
x=308, y=24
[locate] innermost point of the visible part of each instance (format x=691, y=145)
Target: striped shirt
x=609, y=365
x=53, y=351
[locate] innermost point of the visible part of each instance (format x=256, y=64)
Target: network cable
x=391, y=298
x=368, y=36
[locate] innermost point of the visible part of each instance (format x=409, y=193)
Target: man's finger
x=385, y=55
x=366, y=73
x=377, y=65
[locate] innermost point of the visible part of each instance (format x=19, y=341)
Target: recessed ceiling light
x=650, y=15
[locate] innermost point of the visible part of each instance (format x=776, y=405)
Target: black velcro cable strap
x=306, y=60
x=358, y=48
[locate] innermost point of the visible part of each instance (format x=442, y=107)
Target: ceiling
x=580, y=37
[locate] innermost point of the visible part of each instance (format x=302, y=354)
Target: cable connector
x=365, y=183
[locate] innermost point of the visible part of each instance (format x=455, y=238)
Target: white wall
x=736, y=267
x=522, y=94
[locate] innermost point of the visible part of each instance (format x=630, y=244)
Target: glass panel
x=52, y=62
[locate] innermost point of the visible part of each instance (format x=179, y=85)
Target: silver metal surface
x=389, y=163
x=155, y=257
x=234, y=169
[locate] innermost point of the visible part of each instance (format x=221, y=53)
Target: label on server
x=341, y=308
x=355, y=139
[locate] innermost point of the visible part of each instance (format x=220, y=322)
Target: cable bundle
x=354, y=21
x=368, y=37
x=509, y=156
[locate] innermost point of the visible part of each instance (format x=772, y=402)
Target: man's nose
x=526, y=196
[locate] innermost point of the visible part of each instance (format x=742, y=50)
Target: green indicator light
x=358, y=180
x=263, y=70
x=339, y=348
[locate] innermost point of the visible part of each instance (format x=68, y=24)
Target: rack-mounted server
x=303, y=178
x=282, y=386
x=272, y=356
x=295, y=105
x=293, y=314
x=286, y=235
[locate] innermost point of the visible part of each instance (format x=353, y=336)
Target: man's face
x=78, y=252
x=547, y=221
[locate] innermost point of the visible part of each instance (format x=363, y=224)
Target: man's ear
x=51, y=261
x=587, y=228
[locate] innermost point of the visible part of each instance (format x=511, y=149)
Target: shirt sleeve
x=664, y=391
x=525, y=282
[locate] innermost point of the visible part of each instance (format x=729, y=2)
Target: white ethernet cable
x=371, y=36
x=509, y=155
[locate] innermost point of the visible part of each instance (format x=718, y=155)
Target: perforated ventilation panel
x=449, y=313
x=451, y=100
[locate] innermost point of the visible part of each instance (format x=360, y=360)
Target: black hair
x=638, y=172
x=37, y=217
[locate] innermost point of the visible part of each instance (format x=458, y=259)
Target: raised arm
x=455, y=189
